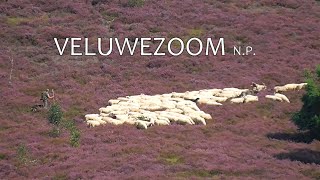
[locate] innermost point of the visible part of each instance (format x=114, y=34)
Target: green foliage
x=318, y=71
x=171, y=158
x=72, y=111
x=308, y=118
x=56, y=117
x=2, y=156
x=60, y=176
x=22, y=154
x=55, y=114
x=75, y=137
x=68, y=124
x=15, y=21
x=74, y=132
x=135, y=3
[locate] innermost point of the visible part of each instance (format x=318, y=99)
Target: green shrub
x=22, y=154
x=74, y=137
x=2, y=156
x=308, y=118
x=55, y=114
x=135, y=3
x=68, y=124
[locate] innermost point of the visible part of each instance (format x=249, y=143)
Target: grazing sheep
x=302, y=86
x=130, y=121
x=273, y=97
x=92, y=123
x=112, y=121
x=175, y=117
x=176, y=110
x=231, y=89
x=122, y=117
x=289, y=87
x=247, y=92
x=93, y=117
x=280, y=89
x=215, y=91
x=123, y=99
x=204, y=115
x=250, y=98
x=152, y=107
x=292, y=86
x=113, y=101
x=230, y=93
x=219, y=99
x=177, y=95
x=282, y=96
x=161, y=122
x=258, y=87
x=168, y=105
x=196, y=118
x=237, y=100
x=209, y=102
x=142, y=124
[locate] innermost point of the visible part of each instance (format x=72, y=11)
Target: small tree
x=55, y=114
x=308, y=118
x=74, y=137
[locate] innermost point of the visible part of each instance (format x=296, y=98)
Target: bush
x=308, y=118
x=22, y=154
x=135, y=3
x=74, y=132
x=55, y=114
x=75, y=137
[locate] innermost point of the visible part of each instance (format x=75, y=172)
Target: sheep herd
x=144, y=111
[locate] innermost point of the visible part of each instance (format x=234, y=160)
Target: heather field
x=246, y=141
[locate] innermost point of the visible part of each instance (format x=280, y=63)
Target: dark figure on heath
x=45, y=96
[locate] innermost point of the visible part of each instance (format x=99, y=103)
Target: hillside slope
x=251, y=141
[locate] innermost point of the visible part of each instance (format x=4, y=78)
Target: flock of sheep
x=144, y=111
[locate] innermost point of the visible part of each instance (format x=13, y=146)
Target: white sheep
x=112, y=121
x=250, y=98
x=113, y=101
x=142, y=124
x=282, y=96
x=92, y=123
x=219, y=99
x=176, y=110
x=209, y=102
x=152, y=107
x=196, y=118
x=162, y=122
x=204, y=115
x=122, y=117
x=258, y=87
x=302, y=86
x=177, y=95
x=273, y=97
x=280, y=89
x=292, y=86
x=175, y=117
x=215, y=91
x=93, y=117
x=123, y=98
x=230, y=93
x=237, y=100
x=289, y=87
